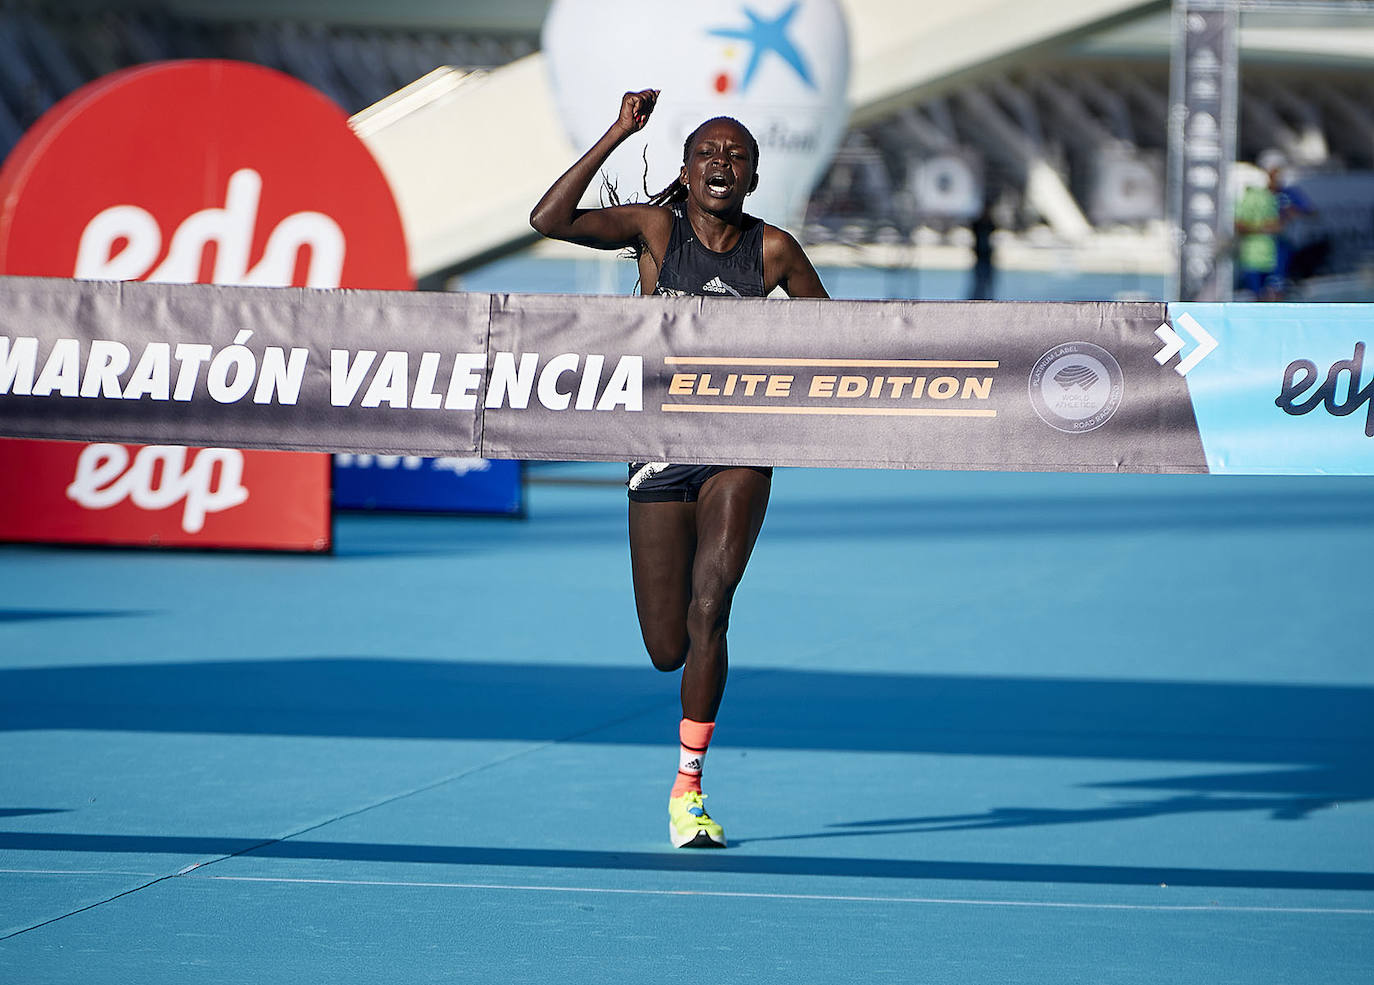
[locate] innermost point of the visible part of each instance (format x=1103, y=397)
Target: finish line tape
x=1110, y=386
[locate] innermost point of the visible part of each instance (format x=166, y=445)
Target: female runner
x=692, y=527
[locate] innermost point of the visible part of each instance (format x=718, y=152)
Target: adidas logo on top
x=717, y=286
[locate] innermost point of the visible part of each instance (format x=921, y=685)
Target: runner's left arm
x=786, y=265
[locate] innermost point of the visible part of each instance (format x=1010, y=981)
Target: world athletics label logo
x=1076, y=387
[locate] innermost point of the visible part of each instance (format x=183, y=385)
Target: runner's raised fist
x=635, y=108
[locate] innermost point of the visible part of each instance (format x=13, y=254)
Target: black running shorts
x=654, y=482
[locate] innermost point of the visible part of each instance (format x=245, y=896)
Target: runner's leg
x=729, y=515
x=662, y=546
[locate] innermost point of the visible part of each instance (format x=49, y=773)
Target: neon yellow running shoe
x=689, y=826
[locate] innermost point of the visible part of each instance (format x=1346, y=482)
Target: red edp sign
x=200, y=171
x=164, y=495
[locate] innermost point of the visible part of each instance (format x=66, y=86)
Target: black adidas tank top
x=690, y=268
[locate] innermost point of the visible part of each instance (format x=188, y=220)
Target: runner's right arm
x=557, y=215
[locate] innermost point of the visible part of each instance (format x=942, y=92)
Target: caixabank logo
x=199, y=171
x=1076, y=387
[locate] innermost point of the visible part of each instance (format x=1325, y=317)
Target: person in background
x=1258, y=224
x=981, y=289
x=1292, y=263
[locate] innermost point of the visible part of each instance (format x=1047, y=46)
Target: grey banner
x=896, y=384
x=884, y=384
x=334, y=370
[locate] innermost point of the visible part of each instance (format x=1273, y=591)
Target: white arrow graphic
x=1173, y=343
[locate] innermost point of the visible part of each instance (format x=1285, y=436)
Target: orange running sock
x=695, y=737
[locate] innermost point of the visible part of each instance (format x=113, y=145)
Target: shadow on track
x=1322, y=726
x=1316, y=741
x=36, y=615
x=729, y=862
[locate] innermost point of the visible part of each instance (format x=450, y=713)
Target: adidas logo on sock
x=717, y=286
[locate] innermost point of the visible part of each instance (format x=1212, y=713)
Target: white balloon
x=780, y=67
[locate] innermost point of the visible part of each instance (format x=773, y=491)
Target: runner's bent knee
x=707, y=616
x=666, y=653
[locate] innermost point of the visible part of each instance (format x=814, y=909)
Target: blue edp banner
x=1289, y=388
x=432, y=485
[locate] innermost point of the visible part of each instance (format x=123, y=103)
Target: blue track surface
x=980, y=728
